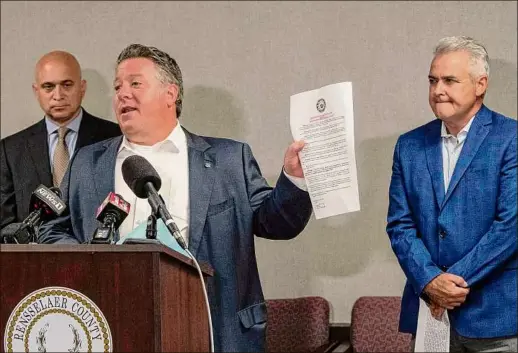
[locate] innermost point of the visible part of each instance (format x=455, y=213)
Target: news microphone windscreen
x=137, y=172
x=116, y=205
x=116, y=200
x=46, y=199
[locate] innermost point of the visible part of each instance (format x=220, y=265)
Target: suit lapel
x=476, y=135
x=38, y=147
x=86, y=131
x=434, y=159
x=104, y=161
x=201, y=180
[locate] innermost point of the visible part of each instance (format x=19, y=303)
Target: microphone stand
x=159, y=209
x=33, y=234
x=106, y=233
x=151, y=230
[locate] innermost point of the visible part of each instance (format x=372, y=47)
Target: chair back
x=297, y=324
x=375, y=323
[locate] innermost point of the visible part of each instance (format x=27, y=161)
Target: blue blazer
x=469, y=231
x=229, y=202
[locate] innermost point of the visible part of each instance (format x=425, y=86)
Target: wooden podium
x=150, y=295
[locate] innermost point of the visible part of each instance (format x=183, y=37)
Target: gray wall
x=241, y=62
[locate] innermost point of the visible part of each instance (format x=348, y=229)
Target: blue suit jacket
x=229, y=202
x=469, y=231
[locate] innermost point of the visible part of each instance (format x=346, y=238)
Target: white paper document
x=432, y=335
x=324, y=119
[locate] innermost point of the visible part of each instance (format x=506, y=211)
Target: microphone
x=145, y=182
x=111, y=213
x=45, y=204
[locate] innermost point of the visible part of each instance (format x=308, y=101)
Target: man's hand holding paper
x=323, y=119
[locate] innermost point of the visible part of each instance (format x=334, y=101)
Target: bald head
x=58, y=86
x=58, y=57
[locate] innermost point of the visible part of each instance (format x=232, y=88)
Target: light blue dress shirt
x=70, y=138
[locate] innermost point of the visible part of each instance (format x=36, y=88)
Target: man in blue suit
x=452, y=209
x=212, y=187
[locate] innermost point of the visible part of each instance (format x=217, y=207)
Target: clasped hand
x=446, y=291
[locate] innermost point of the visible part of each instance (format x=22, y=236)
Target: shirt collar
x=72, y=125
x=174, y=142
x=461, y=136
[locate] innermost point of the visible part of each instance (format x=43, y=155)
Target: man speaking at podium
x=212, y=187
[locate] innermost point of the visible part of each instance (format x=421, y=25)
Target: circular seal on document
x=57, y=319
x=321, y=105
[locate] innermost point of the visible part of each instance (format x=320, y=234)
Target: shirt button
x=442, y=233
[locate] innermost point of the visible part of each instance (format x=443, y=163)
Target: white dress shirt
x=169, y=158
x=451, y=148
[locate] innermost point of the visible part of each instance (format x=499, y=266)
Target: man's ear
x=481, y=86
x=83, y=88
x=35, y=89
x=172, y=94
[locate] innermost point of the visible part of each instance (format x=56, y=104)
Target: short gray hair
x=167, y=68
x=479, y=58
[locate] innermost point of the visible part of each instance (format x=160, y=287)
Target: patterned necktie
x=61, y=157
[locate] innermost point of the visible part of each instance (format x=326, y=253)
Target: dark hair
x=167, y=68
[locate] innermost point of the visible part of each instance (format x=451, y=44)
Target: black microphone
x=111, y=213
x=145, y=182
x=45, y=205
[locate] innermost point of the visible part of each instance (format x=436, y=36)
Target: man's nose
x=58, y=93
x=438, y=88
x=123, y=93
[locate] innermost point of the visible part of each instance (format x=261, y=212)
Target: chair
x=297, y=324
x=374, y=326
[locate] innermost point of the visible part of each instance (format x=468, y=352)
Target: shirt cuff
x=299, y=182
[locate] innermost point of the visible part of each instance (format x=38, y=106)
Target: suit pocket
x=219, y=207
x=252, y=315
x=253, y=327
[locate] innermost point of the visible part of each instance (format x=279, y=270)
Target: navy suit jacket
x=469, y=231
x=229, y=202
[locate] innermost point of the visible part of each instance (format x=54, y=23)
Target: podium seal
x=57, y=319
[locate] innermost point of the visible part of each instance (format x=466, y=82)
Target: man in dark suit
x=212, y=186
x=40, y=153
x=452, y=212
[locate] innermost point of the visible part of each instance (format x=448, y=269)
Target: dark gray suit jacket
x=229, y=202
x=24, y=158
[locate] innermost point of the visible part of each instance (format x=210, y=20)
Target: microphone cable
x=211, y=334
